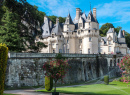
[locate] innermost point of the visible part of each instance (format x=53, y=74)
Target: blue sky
x=116, y=12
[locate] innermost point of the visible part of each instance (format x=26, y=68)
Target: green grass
x=114, y=88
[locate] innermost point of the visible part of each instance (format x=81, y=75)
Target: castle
x=81, y=36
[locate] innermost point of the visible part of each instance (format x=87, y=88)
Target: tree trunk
x=55, y=87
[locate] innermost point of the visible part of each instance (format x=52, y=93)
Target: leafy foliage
x=48, y=83
x=53, y=19
x=3, y=65
x=56, y=69
x=124, y=65
x=10, y=33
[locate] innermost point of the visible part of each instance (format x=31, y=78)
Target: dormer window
x=89, y=17
x=67, y=26
x=109, y=42
x=46, y=31
x=78, y=32
x=80, y=24
x=88, y=31
x=89, y=23
x=68, y=20
x=43, y=31
x=52, y=35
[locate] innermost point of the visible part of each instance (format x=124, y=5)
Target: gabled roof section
x=120, y=34
x=90, y=17
x=84, y=16
x=57, y=29
x=68, y=19
x=46, y=28
x=111, y=30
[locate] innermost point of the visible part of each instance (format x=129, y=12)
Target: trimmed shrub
x=106, y=80
x=3, y=65
x=48, y=83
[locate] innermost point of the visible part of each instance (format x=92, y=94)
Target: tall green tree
x=10, y=32
x=105, y=27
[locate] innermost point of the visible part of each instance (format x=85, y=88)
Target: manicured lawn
x=114, y=88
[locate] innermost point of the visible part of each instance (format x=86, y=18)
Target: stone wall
x=25, y=69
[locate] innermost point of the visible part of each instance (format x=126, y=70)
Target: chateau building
x=80, y=36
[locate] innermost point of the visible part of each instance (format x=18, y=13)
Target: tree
x=127, y=37
x=105, y=27
x=10, y=33
x=56, y=69
x=3, y=65
x=117, y=29
x=53, y=19
x=124, y=65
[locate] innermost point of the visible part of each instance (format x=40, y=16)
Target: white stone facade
x=80, y=36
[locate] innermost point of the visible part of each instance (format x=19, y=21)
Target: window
x=67, y=50
x=46, y=31
x=80, y=24
x=109, y=42
x=78, y=32
x=43, y=31
x=110, y=63
x=88, y=31
x=89, y=23
x=89, y=17
x=90, y=39
x=53, y=51
x=88, y=51
x=109, y=49
x=100, y=50
x=68, y=20
x=60, y=50
x=118, y=61
x=114, y=62
x=67, y=41
x=81, y=51
x=67, y=26
x=52, y=35
x=80, y=40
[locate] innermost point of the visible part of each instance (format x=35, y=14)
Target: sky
x=116, y=12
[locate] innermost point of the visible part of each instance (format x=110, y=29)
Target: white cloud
x=120, y=10
x=57, y=7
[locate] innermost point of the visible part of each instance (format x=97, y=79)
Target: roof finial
x=90, y=6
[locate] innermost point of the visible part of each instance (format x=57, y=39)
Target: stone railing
x=52, y=55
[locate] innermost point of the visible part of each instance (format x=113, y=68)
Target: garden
x=55, y=70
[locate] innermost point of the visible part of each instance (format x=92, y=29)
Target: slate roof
x=57, y=29
x=120, y=34
x=92, y=19
x=84, y=16
x=111, y=30
x=104, y=39
x=70, y=20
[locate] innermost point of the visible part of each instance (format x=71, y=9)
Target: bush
x=106, y=80
x=3, y=65
x=48, y=83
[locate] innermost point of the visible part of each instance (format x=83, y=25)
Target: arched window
x=118, y=61
x=110, y=63
x=114, y=62
x=89, y=66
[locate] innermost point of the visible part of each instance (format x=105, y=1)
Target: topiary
x=3, y=65
x=106, y=80
x=48, y=83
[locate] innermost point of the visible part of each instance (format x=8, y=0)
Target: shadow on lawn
x=62, y=92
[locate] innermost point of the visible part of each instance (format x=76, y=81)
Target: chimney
x=45, y=17
x=124, y=33
x=57, y=20
x=50, y=24
x=77, y=13
x=94, y=13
